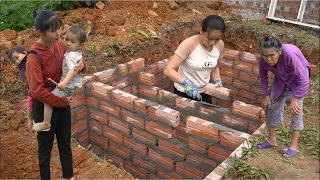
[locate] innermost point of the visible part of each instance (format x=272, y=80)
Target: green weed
x=310, y=137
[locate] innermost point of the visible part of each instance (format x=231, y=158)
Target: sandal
x=264, y=145
x=290, y=152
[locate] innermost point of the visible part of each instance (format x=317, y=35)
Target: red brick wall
x=285, y=8
x=130, y=115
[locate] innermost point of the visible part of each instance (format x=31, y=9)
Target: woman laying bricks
x=51, y=50
x=196, y=60
x=291, y=81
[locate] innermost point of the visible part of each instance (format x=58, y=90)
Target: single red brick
x=100, y=140
x=196, y=145
x=249, y=108
x=227, y=62
x=219, y=150
x=231, y=54
x=105, y=76
x=141, y=104
x=200, y=160
x=87, y=79
x=168, y=175
x=132, y=144
x=231, y=139
x=123, y=69
x=124, y=82
x=252, y=127
x=143, y=136
x=230, y=72
x=234, y=121
x=144, y=163
x=170, y=148
x=120, y=150
x=243, y=66
x=81, y=113
x=80, y=102
x=79, y=97
x=91, y=101
x=123, y=104
x=200, y=127
x=241, y=84
x=226, y=79
x=188, y=171
x=164, y=160
x=182, y=136
x=157, y=129
x=83, y=137
x=123, y=96
x=149, y=91
x=244, y=114
x=105, y=106
x=136, y=65
x=207, y=110
x=219, y=92
x=249, y=57
x=80, y=126
x=95, y=126
x=186, y=102
x=146, y=78
x=132, y=119
x=136, y=170
x=99, y=116
x=164, y=114
x=152, y=69
x=119, y=125
x=112, y=134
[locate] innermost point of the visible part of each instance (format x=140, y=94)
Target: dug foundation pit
x=130, y=115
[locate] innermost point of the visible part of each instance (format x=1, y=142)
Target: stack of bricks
x=130, y=115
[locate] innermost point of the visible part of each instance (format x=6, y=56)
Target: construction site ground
x=116, y=37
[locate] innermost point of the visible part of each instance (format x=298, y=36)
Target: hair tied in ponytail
x=35, y=13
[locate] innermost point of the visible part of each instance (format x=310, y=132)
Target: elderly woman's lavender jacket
x=290, y=70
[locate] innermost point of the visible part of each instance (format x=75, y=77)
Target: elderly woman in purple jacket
x=291, y=81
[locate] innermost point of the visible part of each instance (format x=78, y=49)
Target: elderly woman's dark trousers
x=61, y=126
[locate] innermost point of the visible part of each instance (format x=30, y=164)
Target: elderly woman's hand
x=79, y=66
x=266, y=103
x=294, y=107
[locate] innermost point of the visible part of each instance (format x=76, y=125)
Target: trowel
x=208, y=104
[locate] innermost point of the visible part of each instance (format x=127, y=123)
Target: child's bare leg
x=45, y=125
x=29, y=119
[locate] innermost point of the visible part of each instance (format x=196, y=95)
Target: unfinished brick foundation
x=130, y=115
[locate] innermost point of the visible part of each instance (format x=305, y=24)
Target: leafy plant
x=17, y=15
x=93, y=50
x=310, y=137
x=240, y=168
x=284, y=134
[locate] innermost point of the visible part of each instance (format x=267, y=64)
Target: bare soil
x=114, y=39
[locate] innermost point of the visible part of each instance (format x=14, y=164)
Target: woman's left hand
x=79, y=66
x=294, y=107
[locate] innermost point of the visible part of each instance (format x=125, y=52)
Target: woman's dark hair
x=267, y=42
x=18, y=49
x=212, y=22
x=45, y=20
x=80, y=32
